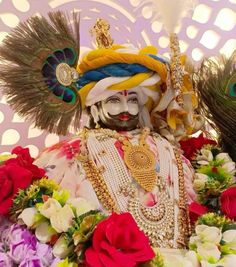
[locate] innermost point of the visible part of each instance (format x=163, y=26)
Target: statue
x=118, y=161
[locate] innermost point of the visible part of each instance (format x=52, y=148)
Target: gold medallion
x=141, y=162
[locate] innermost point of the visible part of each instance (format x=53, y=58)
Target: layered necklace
x=117, y=183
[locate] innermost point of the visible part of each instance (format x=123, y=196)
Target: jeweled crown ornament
x=102, y=34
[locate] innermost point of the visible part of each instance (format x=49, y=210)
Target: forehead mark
x=126, y=93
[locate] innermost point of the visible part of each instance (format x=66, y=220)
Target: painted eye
x=113, y=100
x=133, y=100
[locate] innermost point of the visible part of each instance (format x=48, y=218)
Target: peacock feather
x=37, y=71
x=216, y=83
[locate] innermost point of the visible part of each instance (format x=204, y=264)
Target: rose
x=28, y=216
x=12, y=179
x=62, y=220
x=205, y=157
x=195, y=211
x=228, y=202
x=209, y=234
x=223, y=157
x=177, y=258
x=24, y=159
x=81, y=205
x=199, y=181
x=44, y=232
x=61, y=248
x=5, y=260
x=209, y=252
x=192, y=145
x=229, y=260
x=205, y=263
x=117, y=241
x=230, y=167
x=229, y=238
x=50, y=207
x=16, y=173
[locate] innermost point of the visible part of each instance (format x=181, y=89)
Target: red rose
x=192, y=145
x=24, y=159
x=228, y=202
x=12, y=178
x=118, y=242
x=195, y=211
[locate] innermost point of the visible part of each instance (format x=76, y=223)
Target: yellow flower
x=66, y=263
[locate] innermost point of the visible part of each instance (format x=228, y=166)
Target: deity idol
x=118, y=162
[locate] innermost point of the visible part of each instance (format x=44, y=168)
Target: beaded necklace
x=165, y=223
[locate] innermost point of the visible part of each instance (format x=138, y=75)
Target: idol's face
x=120, y=112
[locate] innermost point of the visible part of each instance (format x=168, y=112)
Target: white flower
x=194, y=240
x=229, y=238
x=199, y=181
x=209, y=252
x=81, y=205
x=28, y=216
x=191, y=256
x=61, y=249
x=229, y=260
x=205, y=157
x=207, y=264
x=230, y=167
x=208, y=233
x=49, y=207
x=44, y=232
x=61, y=220
x=223, y=156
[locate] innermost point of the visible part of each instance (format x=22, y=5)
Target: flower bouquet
x=49, y=228
x=214, y=213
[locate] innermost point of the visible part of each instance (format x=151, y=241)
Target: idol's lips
x=124, y=117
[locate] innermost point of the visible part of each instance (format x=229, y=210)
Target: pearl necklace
x=117, y=191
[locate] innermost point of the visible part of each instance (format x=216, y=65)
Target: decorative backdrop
x=211, y=30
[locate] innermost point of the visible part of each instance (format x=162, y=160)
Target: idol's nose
x=125, y=107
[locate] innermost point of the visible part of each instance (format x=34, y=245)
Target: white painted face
x=120, y=111
x=120, y=103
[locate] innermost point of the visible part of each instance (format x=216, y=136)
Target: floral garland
x=51, y=229
x=214, y=213
x=72, y=232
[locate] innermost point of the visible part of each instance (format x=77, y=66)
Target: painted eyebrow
x=131, y=93
x=120, y=93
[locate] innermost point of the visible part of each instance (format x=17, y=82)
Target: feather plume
x=170, y=12
x=216, y=84
x=29, y=56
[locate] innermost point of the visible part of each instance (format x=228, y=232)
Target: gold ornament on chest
x=141, y=162
x=156, y=221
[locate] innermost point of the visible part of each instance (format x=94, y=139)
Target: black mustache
x=122, y=113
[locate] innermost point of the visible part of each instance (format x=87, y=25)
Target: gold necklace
x=140, y=160
x=157, y=221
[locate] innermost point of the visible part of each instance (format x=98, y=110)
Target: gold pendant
x=141, y=162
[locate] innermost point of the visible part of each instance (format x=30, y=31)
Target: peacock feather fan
x=216, y=83
x=37, y=71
